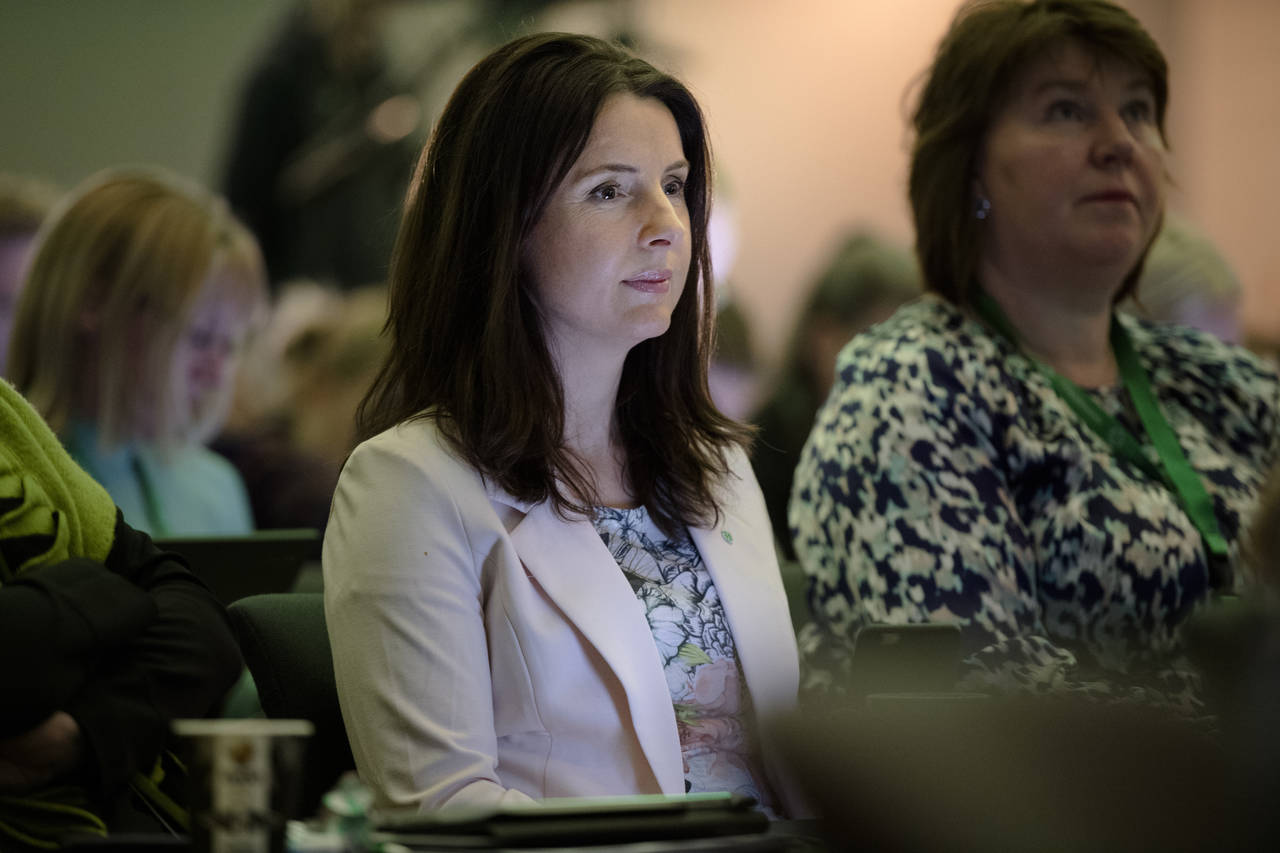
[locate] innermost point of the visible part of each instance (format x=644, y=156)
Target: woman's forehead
x=1071, y=62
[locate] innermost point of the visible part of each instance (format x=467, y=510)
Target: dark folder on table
x=239, y=566
x=701, y=822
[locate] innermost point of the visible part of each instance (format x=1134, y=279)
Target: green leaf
x=692, y=655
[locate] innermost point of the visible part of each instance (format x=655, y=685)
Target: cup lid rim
x=245, y=727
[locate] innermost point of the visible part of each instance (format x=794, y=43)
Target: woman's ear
x=977, y=187
x=981, y=202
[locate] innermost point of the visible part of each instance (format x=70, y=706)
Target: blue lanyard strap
x=1174, y=471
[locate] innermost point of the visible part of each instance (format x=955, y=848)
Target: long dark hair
x=988, y=46
x=467, y=346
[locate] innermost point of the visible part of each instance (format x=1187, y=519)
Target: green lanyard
x=1174, y=471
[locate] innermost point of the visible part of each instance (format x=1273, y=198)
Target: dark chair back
x=286, y=646
x=921, y=658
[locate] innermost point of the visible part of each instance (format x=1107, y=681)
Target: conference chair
x=286, y=646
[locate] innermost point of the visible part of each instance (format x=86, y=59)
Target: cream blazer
x=488, y=651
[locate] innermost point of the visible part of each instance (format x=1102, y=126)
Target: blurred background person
x=1187, y=281
x=329, y=122
x=1010, y=453
x=140, y=295
x=330, y=367
x=734, y=374
x=24, y=204
x=323, y=146
x=865, y=282
x=293, y=421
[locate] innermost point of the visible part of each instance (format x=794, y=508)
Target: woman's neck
x=1067, y=327
x=590, y=384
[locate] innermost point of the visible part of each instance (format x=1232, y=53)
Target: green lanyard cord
x=1175, y=472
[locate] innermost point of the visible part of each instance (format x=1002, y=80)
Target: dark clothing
x=123, y=646
x=287, y=487
x=784, y=423
x=333, y=220
x=947, y=480
x=96, y=622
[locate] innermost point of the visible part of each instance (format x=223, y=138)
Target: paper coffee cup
x=244, y=779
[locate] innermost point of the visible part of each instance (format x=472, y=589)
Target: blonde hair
x=113, y=281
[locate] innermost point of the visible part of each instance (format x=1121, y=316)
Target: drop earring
x=982, y=208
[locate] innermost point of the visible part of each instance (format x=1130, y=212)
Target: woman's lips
x=1112, y=195
x=650, y=281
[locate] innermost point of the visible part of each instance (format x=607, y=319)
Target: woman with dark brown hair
x=1010, y=453
x=548, y=569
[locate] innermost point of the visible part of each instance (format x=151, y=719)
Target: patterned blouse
x=946, y=480
x=688, y=623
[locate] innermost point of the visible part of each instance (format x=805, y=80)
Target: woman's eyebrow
x=606, y=168
x=1073, y=84
x=1069, y=83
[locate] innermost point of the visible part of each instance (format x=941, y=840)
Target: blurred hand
x=38, y=756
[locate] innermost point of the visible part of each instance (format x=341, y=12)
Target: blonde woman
x=138, y=299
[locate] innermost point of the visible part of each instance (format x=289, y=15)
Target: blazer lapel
x=575, y=569
x=743, y=564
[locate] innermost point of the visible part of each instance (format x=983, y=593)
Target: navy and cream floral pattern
x=698, y=655
x=945, y=480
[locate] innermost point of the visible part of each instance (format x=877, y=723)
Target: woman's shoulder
x=927, y=346
x=1191, y=363
x=191, y=464
x=417, y=448
x=206, y=463
x=926, y=327
x=199, y=457
x=416, y=436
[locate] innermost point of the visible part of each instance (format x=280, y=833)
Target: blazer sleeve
x=404, y=602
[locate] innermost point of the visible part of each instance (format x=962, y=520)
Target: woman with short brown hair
x=1009, y=453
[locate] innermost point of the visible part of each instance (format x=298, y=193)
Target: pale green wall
x=91, y=83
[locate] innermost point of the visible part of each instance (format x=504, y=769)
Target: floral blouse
x=945, y=480
x=688, y=623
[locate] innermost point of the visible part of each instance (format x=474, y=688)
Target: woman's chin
x=1118, y=246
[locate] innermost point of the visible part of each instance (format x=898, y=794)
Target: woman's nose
x=210, y=368
x=1115, y=143
x=663, y=223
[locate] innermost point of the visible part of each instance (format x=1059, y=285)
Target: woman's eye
x=675, y=186
x=1065, y=110
x=605, y=192
x=1140, y=111
x=200, y=339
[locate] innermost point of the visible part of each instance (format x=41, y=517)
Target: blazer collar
x=739, y=553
